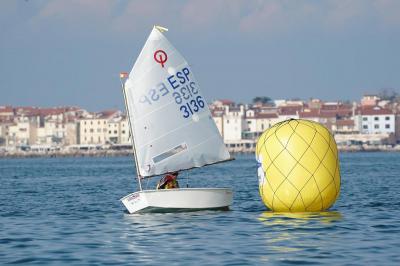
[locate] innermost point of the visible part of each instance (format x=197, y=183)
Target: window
x=387, y=118
x=365, y=118
x=387, y=126
x=109, y=132
x=98, y=130
x=91, y=122
x=115, y=132
x=376, y=118
x=376, y=126
x=365, y=126
x=123, y=131
x=227, y=121
x=91, y=130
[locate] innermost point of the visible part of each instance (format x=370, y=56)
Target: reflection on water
x=170, y=235
x=291, y=231
x=298, y=218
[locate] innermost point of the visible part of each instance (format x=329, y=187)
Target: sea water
x=67, y=211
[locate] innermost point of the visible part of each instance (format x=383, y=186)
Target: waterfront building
x=107, y=127
x=71, y=133
x=57, y=126
x=371, y=122
x=375, y=120
x=369, y=100
x=257, y=122
x=233, y=123
x=397, y=127
x=344, y=126
x=315, y=103
x=5, y=133
x=118, y=130
x=113, y=131
x=289, y=103
x=221, y=104
x=286, y=113
x=92, y=131
x=6, y=113
x=19, y=133
x=311, y=114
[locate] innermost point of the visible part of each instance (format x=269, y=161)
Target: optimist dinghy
x=171, y=128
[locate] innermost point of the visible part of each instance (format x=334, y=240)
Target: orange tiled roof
x=375, y=110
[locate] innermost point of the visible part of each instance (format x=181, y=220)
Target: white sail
x=170, y=120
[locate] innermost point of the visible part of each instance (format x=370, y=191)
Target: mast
x=132, y=137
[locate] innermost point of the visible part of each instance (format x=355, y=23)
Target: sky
x=70, y=53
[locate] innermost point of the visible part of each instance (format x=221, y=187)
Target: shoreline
x=114, y=153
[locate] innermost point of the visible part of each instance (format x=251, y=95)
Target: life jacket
x=169, y=181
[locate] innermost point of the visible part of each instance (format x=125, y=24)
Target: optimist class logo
x=160, y=57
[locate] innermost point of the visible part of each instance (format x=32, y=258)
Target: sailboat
x=171, y=129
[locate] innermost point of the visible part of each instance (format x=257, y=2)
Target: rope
x=187, y=179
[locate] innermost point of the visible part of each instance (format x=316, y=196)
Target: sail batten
x=169, y=116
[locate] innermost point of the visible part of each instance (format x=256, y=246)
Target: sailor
x=168, y=181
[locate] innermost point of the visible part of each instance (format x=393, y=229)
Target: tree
x=388, y=94
x=262, y=100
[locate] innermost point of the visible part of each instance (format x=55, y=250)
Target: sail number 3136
x=192, y=106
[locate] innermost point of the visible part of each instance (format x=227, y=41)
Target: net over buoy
x=298, y=167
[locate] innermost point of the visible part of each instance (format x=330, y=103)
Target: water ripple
x=66, y=211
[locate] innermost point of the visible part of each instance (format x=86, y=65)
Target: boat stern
x=134, y=202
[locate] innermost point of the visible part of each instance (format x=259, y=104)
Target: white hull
x=182, y=199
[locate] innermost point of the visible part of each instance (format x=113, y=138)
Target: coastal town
x=371, y=124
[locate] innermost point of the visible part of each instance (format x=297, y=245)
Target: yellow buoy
x=298, y=167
